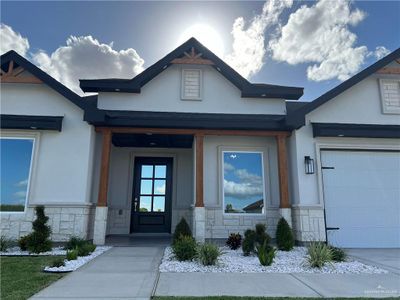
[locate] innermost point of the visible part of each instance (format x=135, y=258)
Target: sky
x=15, y=166
x=311, y=44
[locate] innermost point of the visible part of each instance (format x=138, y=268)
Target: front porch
x=196, y=181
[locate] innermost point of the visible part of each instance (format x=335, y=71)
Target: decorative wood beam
x=199, y=170
x=192, y=58
x=10, y=67
x=105, y=168
x=20, y=79
x=389, y=70
x=184, y=131
x=283, y=172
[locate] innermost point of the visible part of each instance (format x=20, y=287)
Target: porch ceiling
x=152, y=140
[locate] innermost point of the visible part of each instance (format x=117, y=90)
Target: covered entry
x=362, y=198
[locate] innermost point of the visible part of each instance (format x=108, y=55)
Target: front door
x=152, y=191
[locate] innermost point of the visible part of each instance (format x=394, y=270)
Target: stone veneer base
x=308, y=223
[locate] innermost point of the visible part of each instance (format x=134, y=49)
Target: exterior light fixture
x=308, y=165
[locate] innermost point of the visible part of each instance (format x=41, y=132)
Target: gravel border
x=16, y=251
x=233, y=261
x=72, y=265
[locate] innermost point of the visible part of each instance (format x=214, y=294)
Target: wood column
x=199, y=170
x=283, y=172
x=105, y=167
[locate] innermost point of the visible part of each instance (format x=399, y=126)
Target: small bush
x=318, y=254
x=338, y=254
x=74, y=242
x=284, y=236
x=208, y=254
x=181, y=229
x=261, y=235
x=265, y=254
x=234, y=241
x=58, y=262
x=249, y=242
x=86, y=249
x=185, y=248
x=72, y=254
x=5, y=243
x=38, y=240
x=23, y=242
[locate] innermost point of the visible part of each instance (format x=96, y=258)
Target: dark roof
x=255, y=205
x=292, y=106
x=134, y=85
x=46, y=78
x=31, y=122
x=185, y=120
x=356, y=130
x=298, y=118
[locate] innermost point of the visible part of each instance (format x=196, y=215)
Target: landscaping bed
x=294, y=261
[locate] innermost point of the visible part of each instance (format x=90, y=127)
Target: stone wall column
x=100, y=225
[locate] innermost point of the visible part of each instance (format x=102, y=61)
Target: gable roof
x=134, y=85
x=19, y=60
x=297, y=119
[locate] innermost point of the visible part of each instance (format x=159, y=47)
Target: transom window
x=243, y=182
x=16, y=162
x=152, y=188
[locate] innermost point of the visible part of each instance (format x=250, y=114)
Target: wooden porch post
x=283, y=172
x=105, y=167
x=199, y=170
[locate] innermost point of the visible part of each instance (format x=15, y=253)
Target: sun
x=206, y=35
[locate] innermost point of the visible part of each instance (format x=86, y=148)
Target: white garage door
x=362, y=198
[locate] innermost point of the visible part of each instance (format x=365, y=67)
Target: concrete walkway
x=388, y=259
x=120, y=273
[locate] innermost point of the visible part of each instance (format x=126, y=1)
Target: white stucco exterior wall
x=61, y=176
x=163, y=94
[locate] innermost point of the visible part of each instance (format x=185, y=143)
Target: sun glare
x=206, y=35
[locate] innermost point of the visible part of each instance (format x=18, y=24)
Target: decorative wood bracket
x=192, y=58
x=13, y=75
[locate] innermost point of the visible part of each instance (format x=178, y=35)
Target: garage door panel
x=362, y=198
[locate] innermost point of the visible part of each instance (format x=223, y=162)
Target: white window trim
x=385, y=109
x=222, y=182
x=24, y=136
x=200, y=85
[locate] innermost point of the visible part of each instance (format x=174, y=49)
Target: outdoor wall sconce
x=309, y=165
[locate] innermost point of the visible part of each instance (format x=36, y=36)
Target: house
x=189, y=137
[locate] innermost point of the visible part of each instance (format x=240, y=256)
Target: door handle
x=136, y=203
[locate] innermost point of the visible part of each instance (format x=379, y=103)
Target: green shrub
x=181, y=229
x=234, y=241
x=284, y=236
x=23, y=242
x=318, y=254
x=58, y=262
x=208, y=254
x=265, y=254
x=72, y=254
x=86, y=249
x=185, y=248
x=338, y=254
x=261, y=235
x=38, y=241
x=249, y=242
x=5, y=243
x=74, y=242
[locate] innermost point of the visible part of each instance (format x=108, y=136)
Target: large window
x=243, y=182
x=16, y=160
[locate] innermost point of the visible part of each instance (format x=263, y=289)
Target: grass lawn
x=21, y=277
x=252, y=298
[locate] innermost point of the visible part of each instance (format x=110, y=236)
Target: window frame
x=35, y=140
x=185, y=98
x=222, y=177
x=386, y=109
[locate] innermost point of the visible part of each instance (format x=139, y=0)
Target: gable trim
x=355, y=130
x=31, y=122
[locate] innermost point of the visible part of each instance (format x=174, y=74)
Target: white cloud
x=11, y=40
x=380, y=52
x=228, y=167
x=22, y=183
x=320, y=35
x=20, y=194
x=248, y=41
x=160, y=189
x=85, y=57
x=241, y=190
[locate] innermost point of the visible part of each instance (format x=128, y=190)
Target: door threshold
x=150, y=234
